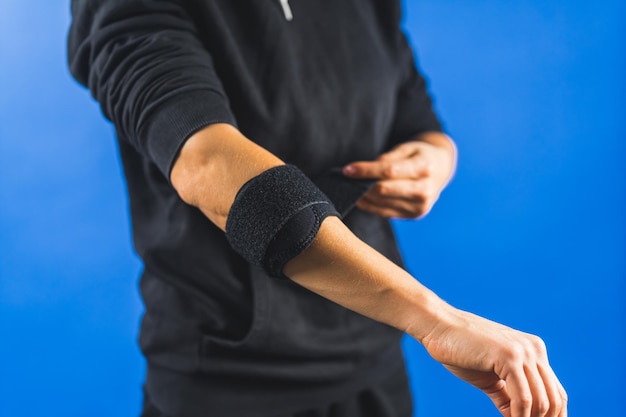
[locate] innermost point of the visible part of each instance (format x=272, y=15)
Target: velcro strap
x=344, y=192
x=275, y=216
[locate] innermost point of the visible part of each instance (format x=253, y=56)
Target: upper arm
x=145, y=65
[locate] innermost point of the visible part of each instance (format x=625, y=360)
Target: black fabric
x=386, y=396
x=334, y=85
x=165, y=68
x=295, y=236
x=275, y=216
x=344, y=192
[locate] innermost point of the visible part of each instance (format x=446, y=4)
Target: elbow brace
x=275, y=217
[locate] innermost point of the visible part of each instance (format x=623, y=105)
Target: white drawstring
x=286, y=9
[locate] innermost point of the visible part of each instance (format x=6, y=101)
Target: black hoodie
x=319, y=83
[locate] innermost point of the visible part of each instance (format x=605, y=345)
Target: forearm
x=213, y=165
x=344, y=269
x=511, y=367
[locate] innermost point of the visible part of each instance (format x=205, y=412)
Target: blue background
x=531, y=232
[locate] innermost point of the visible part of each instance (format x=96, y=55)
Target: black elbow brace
x=275, y=216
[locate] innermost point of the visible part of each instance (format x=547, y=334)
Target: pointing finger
x=411, y=168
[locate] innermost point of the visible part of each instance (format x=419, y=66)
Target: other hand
x=411, y=176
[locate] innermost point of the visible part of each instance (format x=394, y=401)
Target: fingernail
x=349, y=169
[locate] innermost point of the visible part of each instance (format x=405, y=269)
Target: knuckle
x=542, y=407
x=538, y=344
x=525, y=401
x=381, y=189
x=529, y=349
x=428, y=169
x=390, y=171
x=417, y=194
x=557, y=406
x=418, y=191
x=426, y=191
x=514, y=353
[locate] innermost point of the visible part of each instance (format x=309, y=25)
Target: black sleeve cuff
x=173, y=122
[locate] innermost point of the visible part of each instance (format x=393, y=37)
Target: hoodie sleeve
x=414, y=108
x=144, y=64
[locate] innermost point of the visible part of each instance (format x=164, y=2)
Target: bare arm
x=156, y=81
x=509, y=366
x=213, y=165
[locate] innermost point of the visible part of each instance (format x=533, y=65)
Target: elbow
x=189, y=181
x=182, y=179
x=192, y=175
x=198, y=175
x=212, y=166
x=190, y=166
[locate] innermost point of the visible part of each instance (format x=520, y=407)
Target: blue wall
x=532, y=231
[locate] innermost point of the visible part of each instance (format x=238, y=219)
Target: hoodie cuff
x=173, y=122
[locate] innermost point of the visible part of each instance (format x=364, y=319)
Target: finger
x=387, y=210
x=413, y=197
x=541, y=402
x=564, y=398
x=414, y=190
x=406, y=208
x=520, y=393
x=382, y=211
x=489, y=383
x=498, y=394
x=556, y=393
x=412, y=168
x=366, y=169
x=554, y=390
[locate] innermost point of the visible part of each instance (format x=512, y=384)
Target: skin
x=509, y=366
x=411, y=176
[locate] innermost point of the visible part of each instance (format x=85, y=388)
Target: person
x=265, y=145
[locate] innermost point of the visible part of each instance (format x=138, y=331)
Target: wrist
x=425, y=314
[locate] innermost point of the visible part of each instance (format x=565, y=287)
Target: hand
x=509, y=366
x=411, y=176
